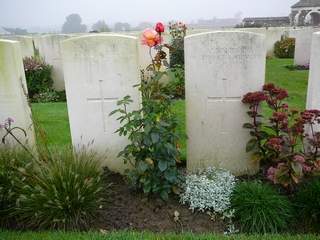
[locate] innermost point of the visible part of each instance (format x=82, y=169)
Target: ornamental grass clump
x=13, y=162
x=258, y=208
x=209, y=190
x=63, y=192
x=307, y=203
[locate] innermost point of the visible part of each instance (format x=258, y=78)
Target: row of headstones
x=101, y=69
x=49, y=47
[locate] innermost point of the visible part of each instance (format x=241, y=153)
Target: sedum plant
x=209, y=190
x=287, y=143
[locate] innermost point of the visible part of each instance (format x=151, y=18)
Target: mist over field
x=50, y=15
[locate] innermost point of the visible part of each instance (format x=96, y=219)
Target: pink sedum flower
x=271, y=174
x=151, y=38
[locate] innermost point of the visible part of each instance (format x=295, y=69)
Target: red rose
x=159, y=27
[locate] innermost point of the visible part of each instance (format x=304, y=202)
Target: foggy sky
x=43, y=13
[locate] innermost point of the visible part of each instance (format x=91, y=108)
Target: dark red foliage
x=277, y=141
x=254, y=98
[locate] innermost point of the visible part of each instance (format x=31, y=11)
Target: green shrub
x=307, y=202
x=46, y=96
x=178, y=31
x=153, y=143
x=38, y=75
x=285, y=48
x=177, y=52
x=50, y=95
x=152, y=151
x=12, y=162
x=260, y=209
x=62, y=192
x=176, y=86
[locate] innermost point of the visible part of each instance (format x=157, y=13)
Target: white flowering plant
x=209, y=190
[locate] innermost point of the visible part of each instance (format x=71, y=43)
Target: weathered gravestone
x=303, y=45
x=220, y=68
x=50, y=50
x=13, y=92
x=26, y=43
x=100, y=70
x=313, y=97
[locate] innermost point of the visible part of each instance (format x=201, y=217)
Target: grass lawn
x=296, y=82
x=53, y=117
x=140, y=236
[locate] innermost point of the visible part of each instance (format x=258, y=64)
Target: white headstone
x=26, y=43
x=272, y=35
x=13, y=92
x=100, y=70
x=313, y=97
x=303, y=45
x=221, y=67
x=50, y=50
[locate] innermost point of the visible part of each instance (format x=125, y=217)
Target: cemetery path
x=128, y=210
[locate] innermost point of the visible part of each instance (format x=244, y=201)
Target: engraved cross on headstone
x=222, y=123
x=102, y=100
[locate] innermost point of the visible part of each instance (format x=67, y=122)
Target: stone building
x=265, y=22
x=305, y=13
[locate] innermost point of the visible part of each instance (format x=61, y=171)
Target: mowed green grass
x=296, y=82
x=53, y=117
x=140, y=236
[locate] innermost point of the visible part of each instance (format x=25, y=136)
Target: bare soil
x=126, y=209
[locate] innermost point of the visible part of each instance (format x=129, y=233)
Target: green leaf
x=162, y=165
x=248, y=126
x=147, y=141
x=170, y=175
x=147, y=187
x=114, y=112
x=251, y=145
x=155, y=137
x=142, y=166
x=164, y=195
x=297, y=168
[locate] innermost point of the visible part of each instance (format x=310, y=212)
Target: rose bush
x=153, y=150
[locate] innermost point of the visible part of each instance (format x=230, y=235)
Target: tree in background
x=16, y=31
x=100, y=26
x=144, y=25
x=73, y=24
x=122, y=27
